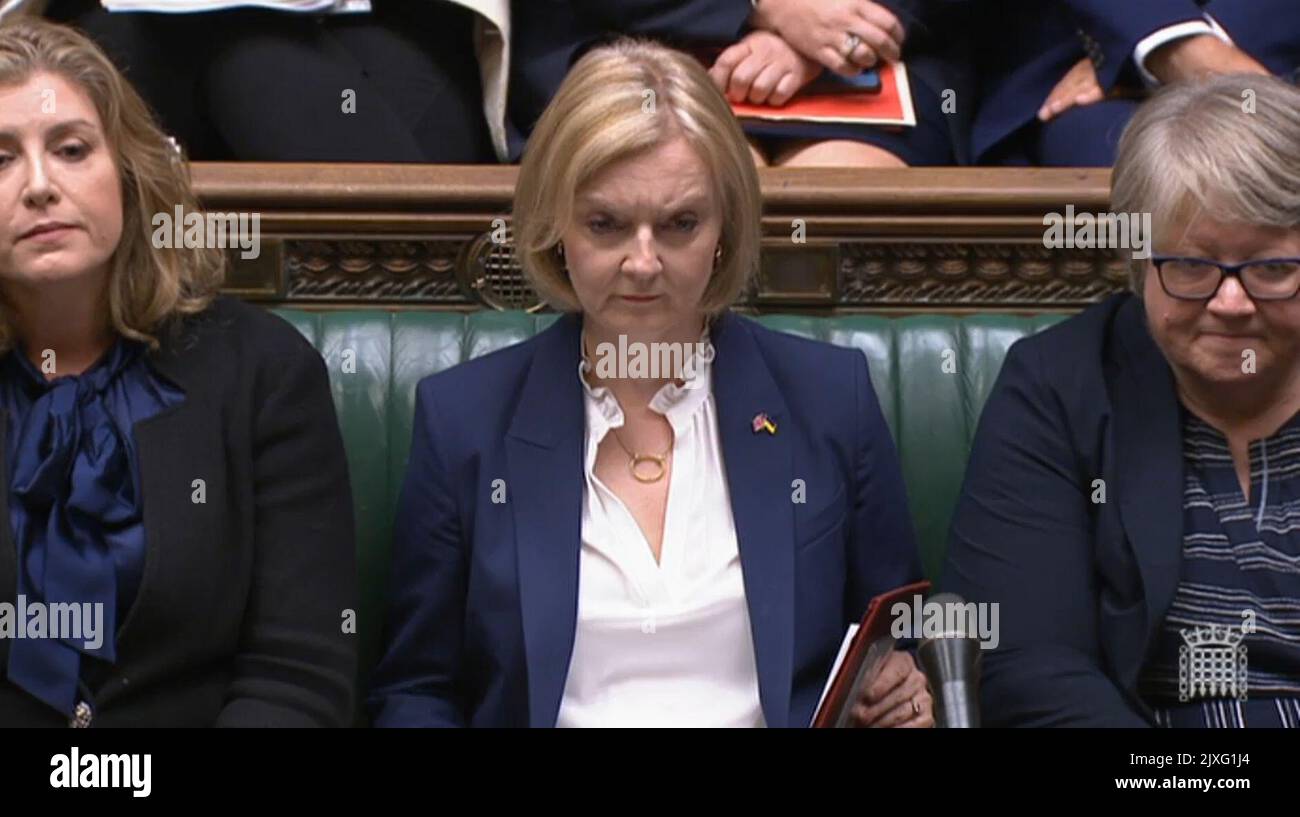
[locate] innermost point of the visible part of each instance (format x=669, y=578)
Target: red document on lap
x=890, y=105
x=865, y=648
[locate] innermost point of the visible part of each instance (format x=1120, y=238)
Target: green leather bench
x=932, y=374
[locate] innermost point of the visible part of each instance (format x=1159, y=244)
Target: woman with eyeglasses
x=1132, y=499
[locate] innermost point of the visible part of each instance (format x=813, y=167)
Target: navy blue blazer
x=1027, y=46
x=1084, y=577
x=484, y=595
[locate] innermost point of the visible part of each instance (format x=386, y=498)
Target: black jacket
x=238, y=620
x=1071, y=519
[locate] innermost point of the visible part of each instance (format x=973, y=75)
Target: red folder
x=892, y=105
x=866, y=653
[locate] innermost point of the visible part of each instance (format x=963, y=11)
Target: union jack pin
x=763, y=423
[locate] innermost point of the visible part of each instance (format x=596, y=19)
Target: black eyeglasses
x=1198, y=279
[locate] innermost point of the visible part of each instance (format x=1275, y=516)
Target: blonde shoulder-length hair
x=147, y=286
x=617, y=101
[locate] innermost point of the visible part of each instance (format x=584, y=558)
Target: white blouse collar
x=677, y=402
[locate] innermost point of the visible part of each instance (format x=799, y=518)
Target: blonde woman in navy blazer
x=560, y=562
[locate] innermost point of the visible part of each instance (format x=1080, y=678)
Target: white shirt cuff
x=1168, y=34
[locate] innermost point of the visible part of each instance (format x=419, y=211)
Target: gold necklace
x=659, y=460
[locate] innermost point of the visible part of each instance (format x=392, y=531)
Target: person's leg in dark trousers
x=420, y=54
x=282, y=88
x=248, y=85
x=255, y=85
x=1083, y=136
x=162, y=55
x=381, y=87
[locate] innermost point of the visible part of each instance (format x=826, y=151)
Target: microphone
x=950, y=660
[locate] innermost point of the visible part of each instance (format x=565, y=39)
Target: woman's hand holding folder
x=873, y=683
x=899, y=696
x=762, y=69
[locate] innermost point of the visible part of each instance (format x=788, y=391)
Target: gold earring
x=717, y=256
x=559, y=249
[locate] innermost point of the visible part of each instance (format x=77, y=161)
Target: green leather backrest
x=932, y=374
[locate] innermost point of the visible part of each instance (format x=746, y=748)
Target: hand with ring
x=898, y=697
x=845, y=36
x=851, y=44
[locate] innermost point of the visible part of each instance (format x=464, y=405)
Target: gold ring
x=851, y=43
x=916, y=708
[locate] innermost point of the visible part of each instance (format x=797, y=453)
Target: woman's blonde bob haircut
x=618, y=101
x=1229, y=146
x=146, y=286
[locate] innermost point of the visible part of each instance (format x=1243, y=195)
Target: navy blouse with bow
x=74, y=501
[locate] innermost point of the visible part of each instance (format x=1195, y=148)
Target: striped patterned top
x=1235, y=617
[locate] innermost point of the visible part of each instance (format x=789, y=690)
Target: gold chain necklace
x=660, y=461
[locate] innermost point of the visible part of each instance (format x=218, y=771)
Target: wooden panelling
x=835, y=240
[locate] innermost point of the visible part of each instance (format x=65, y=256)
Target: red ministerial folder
x=863, y=652
x=891, y=105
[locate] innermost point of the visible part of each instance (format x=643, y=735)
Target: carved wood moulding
x=370, y=270
x=899, y=240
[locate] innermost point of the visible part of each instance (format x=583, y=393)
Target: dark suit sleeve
x=1119, y=25
x=882, y=544
x=417, y=683
x=1021, y=537
x=926, y=15
x=1268, y=30
x=296, y=666
x=696, y=20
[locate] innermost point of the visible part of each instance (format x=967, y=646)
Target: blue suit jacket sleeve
x=1119, y=25
x=1021, y=537
x=708, y=20
x=882, y=543
x=1268, y=30
x=417, y=682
